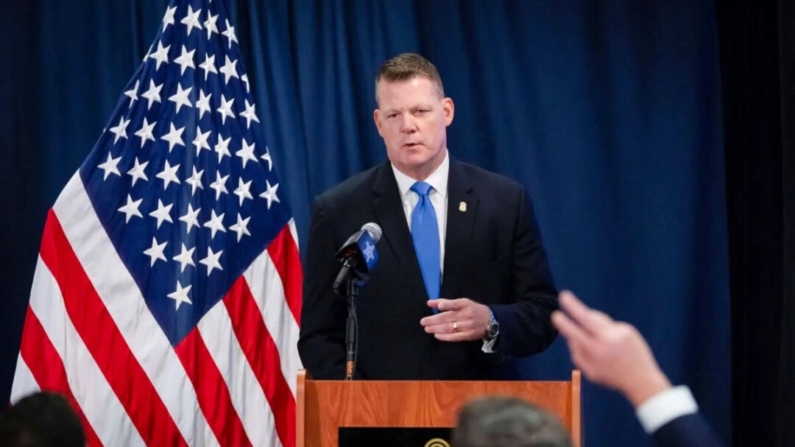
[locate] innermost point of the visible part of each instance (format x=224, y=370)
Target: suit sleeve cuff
x=665, y=407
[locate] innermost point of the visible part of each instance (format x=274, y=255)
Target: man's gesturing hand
x=458, y=320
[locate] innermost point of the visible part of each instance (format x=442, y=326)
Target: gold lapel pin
x=462, y=207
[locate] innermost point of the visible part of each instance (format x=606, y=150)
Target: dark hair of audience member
x=42, y=419
x=507, y=422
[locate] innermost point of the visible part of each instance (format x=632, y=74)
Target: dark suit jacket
x=686, y=431
x=493, y=255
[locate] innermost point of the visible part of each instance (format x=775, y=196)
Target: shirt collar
x=437, y=179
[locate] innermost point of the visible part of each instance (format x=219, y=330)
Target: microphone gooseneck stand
x=351, y=328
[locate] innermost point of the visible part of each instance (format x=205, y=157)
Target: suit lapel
x=388, y=208
x=462, y=208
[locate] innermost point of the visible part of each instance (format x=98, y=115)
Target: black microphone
x=358, y=256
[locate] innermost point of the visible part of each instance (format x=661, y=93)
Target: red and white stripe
x=89, y=334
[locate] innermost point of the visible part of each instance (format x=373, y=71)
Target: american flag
x=167, y=294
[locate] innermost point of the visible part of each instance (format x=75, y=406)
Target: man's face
x=412, y=118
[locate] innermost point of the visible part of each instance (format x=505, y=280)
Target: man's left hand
x=458, y=320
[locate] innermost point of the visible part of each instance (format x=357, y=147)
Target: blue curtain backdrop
x=607, y=111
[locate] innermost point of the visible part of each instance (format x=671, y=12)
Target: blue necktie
x=425, y=234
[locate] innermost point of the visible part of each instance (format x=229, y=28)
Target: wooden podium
x=325, y=406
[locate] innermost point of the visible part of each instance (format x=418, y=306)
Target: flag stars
x=181, y=97
x=161, y=55
x=168, y=175
x=120, y=130
x=155, y=252
x=210, y=25
x=203, y=104
x=208, y=65
x=267, y=157
x=250, y=115
x=191, y=218
x=137, y=171
x=174, y=137
x=191, y=20
x=215, y=224
x=133, y=93
x=195, y=181
x=200, y=142
x=131, y=209
x=230, y=33
x=219, y=185
x=212, y=261
x=246, y=153
x=110, y=166
x=168, y=19
x=176, y=245
x=153, y=94
x=181, y=295
x=243, y=190
x=229, y=71
x=226, y=109
x=146, y=132
x=162, y=213
x=185, y=258
x=241, y=227
x=270, y=193
x=185, y=60
x=222, y=148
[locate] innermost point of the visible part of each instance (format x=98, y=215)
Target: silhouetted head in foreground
x=42, y=419
x=507, y=422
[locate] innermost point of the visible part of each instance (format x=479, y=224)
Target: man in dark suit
x=462, y=281
x=615, y=355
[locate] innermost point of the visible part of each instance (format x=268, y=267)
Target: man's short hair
x=507, y=422
x=408, y=66
x=42, y=419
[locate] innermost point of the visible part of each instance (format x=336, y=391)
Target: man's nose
x=407, y=123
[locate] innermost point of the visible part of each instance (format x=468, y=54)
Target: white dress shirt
x=438, y=196
x=665, y=407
